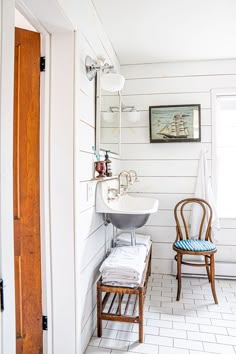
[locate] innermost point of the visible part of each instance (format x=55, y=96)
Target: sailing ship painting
x=177, y=128
x=175, y=123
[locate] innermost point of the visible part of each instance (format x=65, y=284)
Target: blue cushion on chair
x=195, y=245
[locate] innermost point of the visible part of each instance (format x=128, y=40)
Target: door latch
x=1, y=295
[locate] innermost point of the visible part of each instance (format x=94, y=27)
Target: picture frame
x=175, y=123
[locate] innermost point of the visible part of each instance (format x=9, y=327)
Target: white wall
x=7, y=318
x=168, y=171
x=89, y=228
x=90, y=231
x=22, y=22
x=62, y=193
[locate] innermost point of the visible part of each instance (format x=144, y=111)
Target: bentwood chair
x=201, y=246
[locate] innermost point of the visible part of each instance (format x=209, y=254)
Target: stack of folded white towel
x=124, y=239
x=124, y=266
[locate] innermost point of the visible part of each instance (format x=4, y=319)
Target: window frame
x=215, y=94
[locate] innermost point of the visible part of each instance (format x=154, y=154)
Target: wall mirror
x=110, y=129
x=108, y=120
x=108, y=85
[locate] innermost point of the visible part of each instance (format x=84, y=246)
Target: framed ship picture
x=169, y=124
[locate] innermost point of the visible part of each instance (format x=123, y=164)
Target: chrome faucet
x=128, y=179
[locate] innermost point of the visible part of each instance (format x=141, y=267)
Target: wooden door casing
x=26, y=193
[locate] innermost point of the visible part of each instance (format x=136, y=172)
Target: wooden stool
x=117, y=293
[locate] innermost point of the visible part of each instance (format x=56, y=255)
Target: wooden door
x=26, y=193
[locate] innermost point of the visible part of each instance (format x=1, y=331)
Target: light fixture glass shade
x=131, y=116
x=112, y=82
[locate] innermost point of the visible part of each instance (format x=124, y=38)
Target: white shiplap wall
x=90, y=231
x=168, y=171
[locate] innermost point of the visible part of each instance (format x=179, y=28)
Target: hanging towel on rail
x=203, y=190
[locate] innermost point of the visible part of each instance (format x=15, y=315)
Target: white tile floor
x=194, y=325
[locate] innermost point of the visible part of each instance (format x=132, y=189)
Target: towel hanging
x=203, y=190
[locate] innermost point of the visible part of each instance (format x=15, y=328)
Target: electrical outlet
x=90, y=191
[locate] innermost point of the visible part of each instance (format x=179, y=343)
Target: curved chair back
x=182, y=225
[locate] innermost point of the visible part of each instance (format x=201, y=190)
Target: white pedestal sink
x=124, y=212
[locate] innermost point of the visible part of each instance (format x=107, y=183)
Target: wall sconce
x=129, y=113
x=110, y=81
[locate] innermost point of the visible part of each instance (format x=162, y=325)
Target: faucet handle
x=112, y=194
x=133, y=176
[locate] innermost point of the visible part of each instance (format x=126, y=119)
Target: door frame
x=45, y=238
x=7, y=325
x=57, y=33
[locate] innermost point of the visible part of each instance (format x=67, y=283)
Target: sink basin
x=125, y=212
x=128, y=221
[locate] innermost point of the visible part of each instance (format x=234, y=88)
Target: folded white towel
x=124, y=239
x=125, y=259
x=125, y=265
x=125, y=236
x=122, y=283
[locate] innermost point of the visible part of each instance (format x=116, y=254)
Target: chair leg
x=141, y=303
x=179, y=260
x=207, y=269
x=177, y=269
x=150, y=265
x=212, y=266
x=99, y=310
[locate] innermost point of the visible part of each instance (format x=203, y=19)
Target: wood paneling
x=85, y=202
x=165, y=168
x=159, y=234
x=164, y=185
x=163, y=251
x=163, y=151
x=90, y=222
x=189, y=68
x=89, y=303
x=161, y=218
x=86, y=166
x=87, y=137
x=228, y=223
x=164, y=266
x=87, y=108
x=92, y=38
x=90, y=229
x=89, y=277
x=167, y=202
x=141, y=135
x=93, y=244
x=126, y=121
x=143, y=101
x=226, y=253
x=177, y=85
x=110, y=136
x=168, y=171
